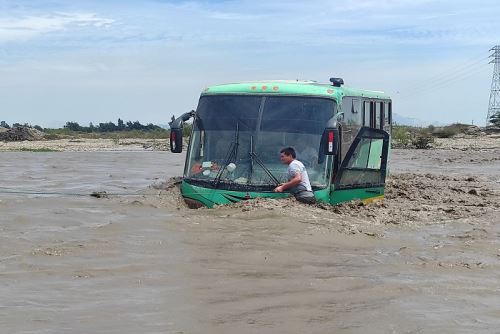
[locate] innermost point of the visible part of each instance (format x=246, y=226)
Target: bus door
x=362, y=172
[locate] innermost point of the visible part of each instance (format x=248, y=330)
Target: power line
x=458, y=77
x=479, y=59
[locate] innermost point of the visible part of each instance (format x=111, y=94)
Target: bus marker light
x=275, y=88
x=253, y=88
x=264, y=87
x=330, y=91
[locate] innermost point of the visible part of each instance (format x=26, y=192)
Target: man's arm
x=295, y=181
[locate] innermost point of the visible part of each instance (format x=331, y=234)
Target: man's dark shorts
x=303, y=195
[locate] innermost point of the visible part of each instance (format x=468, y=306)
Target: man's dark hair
x=289, y=151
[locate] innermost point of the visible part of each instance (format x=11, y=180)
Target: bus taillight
x=330, y=141
x=176, y=140
x=172, y=140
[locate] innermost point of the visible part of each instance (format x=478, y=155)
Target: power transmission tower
x=494, y=106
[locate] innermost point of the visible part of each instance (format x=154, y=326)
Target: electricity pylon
x=494, y=106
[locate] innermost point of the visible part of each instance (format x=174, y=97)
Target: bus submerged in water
x=340, y=134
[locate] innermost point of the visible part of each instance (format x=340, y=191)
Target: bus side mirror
x=176, y=131
x=330, y=140
x=176, y=140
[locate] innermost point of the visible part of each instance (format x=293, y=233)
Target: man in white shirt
x=298, y=180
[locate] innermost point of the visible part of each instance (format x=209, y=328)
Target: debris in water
x=99, y=194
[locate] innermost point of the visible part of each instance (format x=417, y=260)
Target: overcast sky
x=95, y=61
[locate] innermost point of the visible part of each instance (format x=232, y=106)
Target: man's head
x=287, y=155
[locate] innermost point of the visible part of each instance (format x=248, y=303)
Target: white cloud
x=28, y=27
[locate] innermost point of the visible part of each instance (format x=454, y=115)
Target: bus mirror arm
x=178, y=122
x=176, y=126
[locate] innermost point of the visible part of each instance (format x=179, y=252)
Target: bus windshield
x=236, y=140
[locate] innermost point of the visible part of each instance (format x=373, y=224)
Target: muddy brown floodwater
x=136, y=260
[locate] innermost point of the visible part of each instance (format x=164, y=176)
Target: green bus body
x=357, y=171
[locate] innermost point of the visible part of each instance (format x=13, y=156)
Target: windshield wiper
x=230, y=156
x=255, y=157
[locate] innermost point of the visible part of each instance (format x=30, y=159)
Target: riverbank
x=138, y=144
x=86, y=145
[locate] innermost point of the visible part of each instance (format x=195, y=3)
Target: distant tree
x=91, y=127
x=38, y=127
x=135, y=125
x=17, y=125
x=495, y=119
x=73, y=126
x=4, y=124
x=121, y=125
x=186, y=129
x=151, y=126
x=107, y=127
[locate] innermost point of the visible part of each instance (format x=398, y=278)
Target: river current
x=134, y=259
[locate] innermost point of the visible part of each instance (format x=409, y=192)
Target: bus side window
x=386, y=113
x=389, y=112
x=366, y=113
x=378, y=115
x=351, y=107
x=356, y=105
x=382, y=115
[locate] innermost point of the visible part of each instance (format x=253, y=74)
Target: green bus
x=340, y=134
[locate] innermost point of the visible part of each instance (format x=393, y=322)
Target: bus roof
x=292, y=87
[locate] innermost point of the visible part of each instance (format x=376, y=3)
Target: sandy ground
x=87, y=145
x=137, y=144
x=469, y=142
x=425, y=260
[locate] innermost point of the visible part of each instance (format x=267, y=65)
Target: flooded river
x=426, y=260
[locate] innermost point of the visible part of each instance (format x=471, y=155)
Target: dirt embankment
x=29, y=139
x=20, y=134
x=85, y=145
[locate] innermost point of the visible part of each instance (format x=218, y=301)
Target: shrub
x=411, y=137
x=422, y=140
x=401, y=136
x=51, y=136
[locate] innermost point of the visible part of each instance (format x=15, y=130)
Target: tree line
x=112, y=127
x=6, y=125
x=100, y=127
